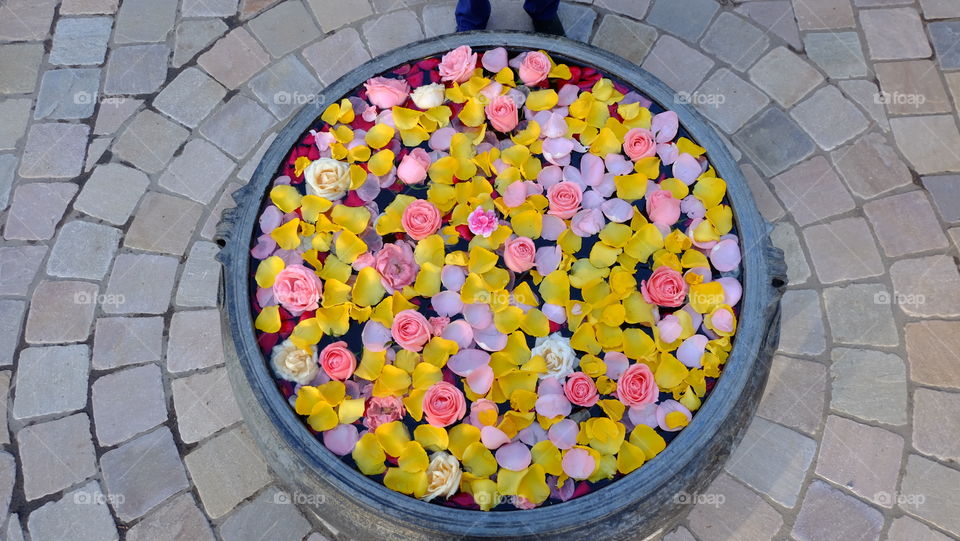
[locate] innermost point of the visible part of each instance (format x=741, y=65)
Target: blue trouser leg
x=541, y=10
x=472, y=14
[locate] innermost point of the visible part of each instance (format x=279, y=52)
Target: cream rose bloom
x=294, y=364
x=429, y=96
x=327, y=178
x=443, y=476
x=560, y=357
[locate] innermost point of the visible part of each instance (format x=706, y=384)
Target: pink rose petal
x=552, y=405
x=617, y=210
x=494, y=60
x=645, y=415
x=490, y=338
x=564, y=434
x=568, y=94
x=466, y=361
x=725, y=255
x=587, y=223
x=452, y=277
x=460, y=332
x=618, y=165
x=481, y=379
x=592, y=169
x=668, y=153
x=555, y=126
x=665, y=126
x=480, y=316
x=264, y=248
x=548, y=259
x=270, y=219
x=341, y=439
x=691, y=351
x=555, y=313
x=578, y=463
x=670, y=406
x=265, y=297
x=592, y=199
x=617, y=363
x=549, y=176
x=552, y=227
x=732, y=290
x=515, y=194
x=440, y=140
x=532, y=435
x=687, y=168
x=692, y=207
x=669, y=328
x=557, y=150
x=514, y=456
x=375, y=336
x=492, y=437
x=447, y=303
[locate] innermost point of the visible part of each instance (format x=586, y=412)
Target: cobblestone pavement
x=119, y=145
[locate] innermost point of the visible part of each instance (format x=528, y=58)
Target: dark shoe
x=549, y=26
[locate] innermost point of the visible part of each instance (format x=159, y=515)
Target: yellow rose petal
x=287, y=235
x=285, y=197
x=379, y=136
x=267, y=271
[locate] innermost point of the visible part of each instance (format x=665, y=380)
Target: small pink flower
x=443, y=404
x=519, y=254
x=534, y=68
x=565, y=198
x=663, y=207
x=420, y=219
x=386, y=93
x=410, y=330
x=297, y=289
x=396, y=265
x=639, y=143
x=637, y=386
x=665, y=287
x=381, y=410
x=581, y=390
x=413, y=167
x=502, y=113
x=458, y=64
x=482, y=222
x=438, y=324
x=338, y=361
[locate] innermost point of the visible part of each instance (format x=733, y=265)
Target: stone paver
x=204, y=404
x=285, y=87
x=945, y=192
x=908, y=528
x=795, y=393
x=140, y=284
x=773, y=460
x=927, y=287
x=8, y=167
x=36, y=208
x=201, y=277
x=237, y=126
x=928, y=491
x=192, y=36
x=16, y=113
x=920, y=233
x=812, y=191
x=687, y=19
x=332, y=56
x=830, y=118
x=119, y=341
x=26, y=19
x=194, y=341
x=774, y=141
x=136, y=69
x=180, y=518
x=164, y=224
x=662, y=62
x=18, y=268
x=577, y=20
x=81, y=41
x=912, y=87
x=735, y=41
x=88, y=7
x=11, y=322
x=67, y=94
x=55, y=455
x=234, y=58
x=19, y=65
x=5, y=376
x=871, y=167
x=333, y=15
x=149, y=141
x=839, y=54
x=54, y=150
x=870, y=385
x=944, y=35
x=843, y=250
x=802, y=330
x=190, y=97
x=777, y=17
x=266, y=516
x=143, y=473
x=740, y=100
x=785, y=76
x=784, y=236
x=114, y=111
x=198, y=172
x=120, y=415
x=208, y=8
x=51, y=380
x=861, y=314
x=823, y=14
x=388, y=32
x=894, y=33
x=61, y=311
x=742, y=514
x=939, y=9
x=612, y=30
x=931, y=350
x=769, y=207
x=145, y=20
x=861, y=458
x=285, y=28
x=936, y=422
x=83, y=250
x=865, y=93
x=929, y=142
x=226, y=470
x=81, y=514
x=112, y=192
x=829, y=514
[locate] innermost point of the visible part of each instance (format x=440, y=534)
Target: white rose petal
x=429, y=96
x=294, y=364
x=443, y=476
x=561, y=359
x=327, y=178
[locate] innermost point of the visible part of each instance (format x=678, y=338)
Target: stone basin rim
x=763, y=279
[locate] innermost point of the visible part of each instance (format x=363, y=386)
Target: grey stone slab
x=120, y=414
x=912, y=87
x=839, y=54
x=784, y=236
x=237, y=126
x=741, y=513
x=802, y=328
x=178, y=519
x=945, y=192
x=14, y=530
x=25, y=20
x=88, y=7
x=687, y=19
x=121, y=341
x=735, y=41
x=8, y=168
x=199, y=282
x=861, y=314
x=11, y=321
x=777, y=17
x=389, y=32
x=19, y=66
x=631, y=8
x=234, y=58
x=61, y=312
x=204, y=404
x=894, y=33
x=81, y=41
x=149, y=141
x=194, y=341
x=192, y=36
x=80, y=514
x=54, y=150
x=265, y=516
x=936, y=422
x=577, y=21
x=927, y=286
x=98, y=147
x=284, y=28
x=774, y=141
x=227, y=469
x=198, y=172
x=36, y=209
x=114, y=111
x=829, y=514
x=908, y=528
x=140, y=284
x=224, y=202
x=829, y=118
x=136, y=69
x=16, y=114
x=164, y=223
x=55, y=455
x=141, y=21
x=190, y=97
x=937, y=485
x=51, y=381
x=112, y=192
x=773, y=460
x=18, y=268
x=438, y=19
x=4, y=392
x=769, y=207
x=664, y=62
x=843, y=250
x=823, y=14
x=871, y=167
x=939, y=9
x=786, y=77
x=812, y=191
x=610, y=35
x=143, y=473
x=728, y=101
x=920, y=233
x=83, y=250
x=333, y=15
x=208, y=8
x=336, y=54
x=863, y=459
x=286, y=87
x=865, y=93
x=869, y=385
x=795, y=394
x=928, y=142
x=930, y=349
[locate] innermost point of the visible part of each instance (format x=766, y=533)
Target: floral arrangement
x=496, y=282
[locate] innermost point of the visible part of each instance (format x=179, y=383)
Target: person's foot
x=549, y=26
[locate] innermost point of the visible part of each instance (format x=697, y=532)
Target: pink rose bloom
x=297, y=289
x=502, y=113
x=337, y=361
x=534, y=68
x=396, y=266
x=443, y=404
x=410, y=330
x=663, y=208
x=581, y=390
x=565, y=198
x=639, y=143
x=482, y=222
x=637, y=387
x=420, y=219
x=413, y=167
x=458, y=64
x=665, y=287
x=438, y=324
x=519, y=254
x=386, y=93
x=381, y=410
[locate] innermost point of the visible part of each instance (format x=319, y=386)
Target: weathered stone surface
x=920, y=233
x=928, y=142
x=773, y=460
x=732, y=511
x=908, y=528
x=795, y=393
x=864, y=459
x=237, y=126
x=51, y=380
x=785, y=76
x=67, y=94
x=912, y=87
x=802, y=331
x=114, y=111
x=333, y=15
x=829, y=514
x=164, y=224
x=865, y=94
x=438, y=19
x=286, y=87
x=149, y=141
x=224, y=202
x=136, y=69
x=927, y=287
x=119, y=341
x=190, y=97
x=119, y=414
x=936, y=423
x=201, y=277
x=143, y=473
x=945, y=192
x=612, y=30
x=208, y=8
x=740, y=100
x=776, y=16
x=54, y=150
x=140, y=284
x=839, y=54
x=234, y=58
x=389, y=32
x=81, y=41
x=870, y=385
x=931, y=350
x=80, y=514
x=83, y=250
x=769, y=207
x=662, y=62
x=26, y=19
x=145, y=20
x=774, y=141
x=735, y=41
x=178, y=519
x=894, y=33
x=88, y=7
x=55, y=455
x=11, y=322
x=687, y=19
x=577, y=21
x=5, y=376
x=266, y=516
x=861, y=314
x=194, y=341
x=36, y=209
x=61, y=312
x=784, y=236
x=284, y=28
x=335, y=54
x=16, y=112
x=198, y=172
x=871, y=167
x=843, y=250
x=19, y=65
x=192, y=36
x=95, y=151
x=829, y=118
x=14, y=531
x=112, y=192
x=823, y=14
x=226, y=470
x=937, y=485
x=204, y=404
x=812, y=191
x=18, y=268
